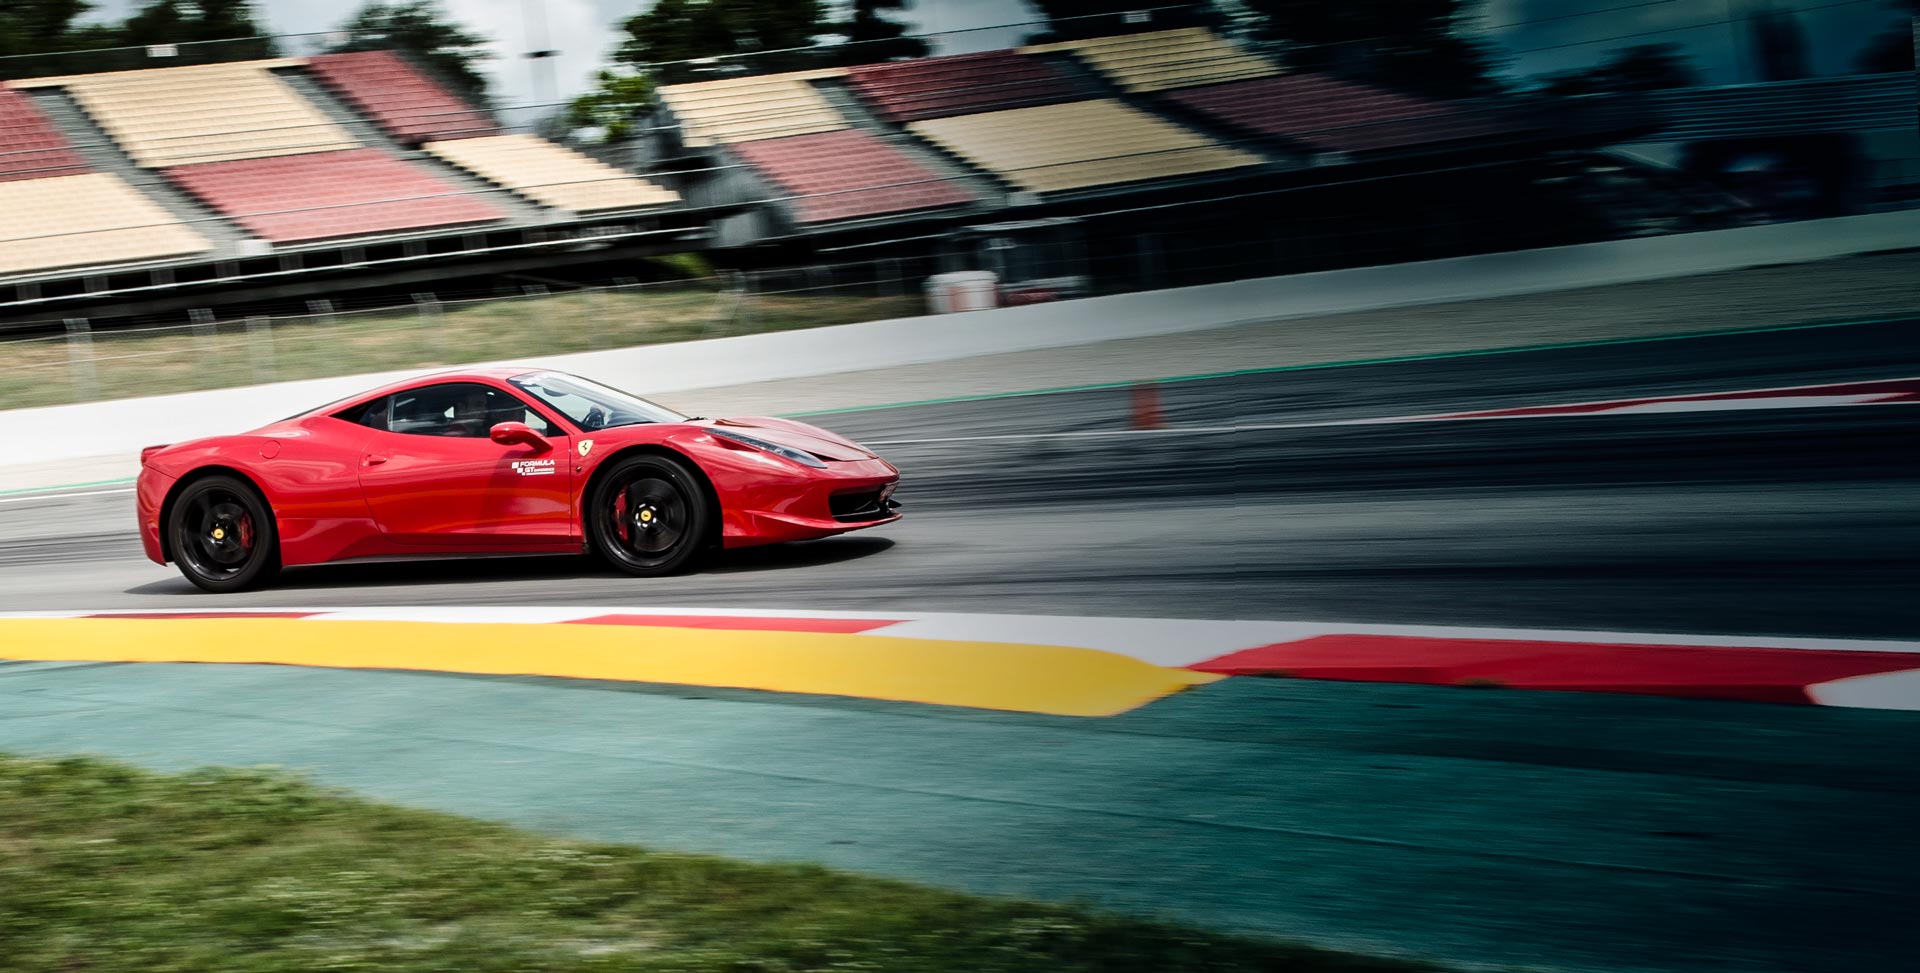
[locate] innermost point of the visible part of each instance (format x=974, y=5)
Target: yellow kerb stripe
x=989, y=675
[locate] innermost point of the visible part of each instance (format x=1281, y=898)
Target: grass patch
x=183, y=359
x=105, y=868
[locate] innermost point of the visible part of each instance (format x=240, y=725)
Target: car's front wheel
x=648, y=516
x=223, y=536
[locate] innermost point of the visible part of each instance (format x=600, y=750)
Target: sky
x=586, y=31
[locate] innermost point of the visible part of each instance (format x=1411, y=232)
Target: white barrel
x=964, y=290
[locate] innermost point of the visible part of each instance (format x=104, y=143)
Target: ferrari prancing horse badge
x=586, y=446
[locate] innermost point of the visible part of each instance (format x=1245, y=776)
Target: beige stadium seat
x=1079, y=144
x=769, y=106
x=551, y=175
x=72, y=221
x=1164, y=59
x=167, y=117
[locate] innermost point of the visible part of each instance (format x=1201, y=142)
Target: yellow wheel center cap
x=219, y=533
x=646, y=515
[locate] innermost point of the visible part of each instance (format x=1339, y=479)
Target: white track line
x=62, y=496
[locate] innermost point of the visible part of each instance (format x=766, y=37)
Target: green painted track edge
x=123, y=481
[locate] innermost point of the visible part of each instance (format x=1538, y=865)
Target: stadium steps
x=518, y=211
x=105, y=155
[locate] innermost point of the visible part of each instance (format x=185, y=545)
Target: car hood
x=799, y=435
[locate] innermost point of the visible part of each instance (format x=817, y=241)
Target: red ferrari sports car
x=499, y=461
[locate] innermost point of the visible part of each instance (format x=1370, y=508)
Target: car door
x=433, y=476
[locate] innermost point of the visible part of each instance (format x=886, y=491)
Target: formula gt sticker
x=533, y=467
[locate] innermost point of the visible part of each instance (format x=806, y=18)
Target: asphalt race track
x=1560, y=831
x=1767, y=522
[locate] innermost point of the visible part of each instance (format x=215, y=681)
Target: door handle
x=375, y=460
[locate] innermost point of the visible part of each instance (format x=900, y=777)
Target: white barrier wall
x=121, y=427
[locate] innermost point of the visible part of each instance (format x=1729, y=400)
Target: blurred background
x=220, y=193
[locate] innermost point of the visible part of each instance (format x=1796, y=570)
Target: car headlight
x=800, y=456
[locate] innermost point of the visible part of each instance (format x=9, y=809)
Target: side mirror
x=518, y=434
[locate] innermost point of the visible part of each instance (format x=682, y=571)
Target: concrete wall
x=121, y=427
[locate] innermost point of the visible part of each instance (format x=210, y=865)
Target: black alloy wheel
x=648, y=516
x=222, y=535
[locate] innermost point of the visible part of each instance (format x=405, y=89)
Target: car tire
x=222, y=535
x=648, y=516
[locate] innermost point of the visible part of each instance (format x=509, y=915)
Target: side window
x=372, y=414
x=458, y=409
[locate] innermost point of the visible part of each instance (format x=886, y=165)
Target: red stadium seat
x=323, y=195
x=846, y=174
x=30, y=147
x=1331, y=115
x=405, y=103
x=961, y=84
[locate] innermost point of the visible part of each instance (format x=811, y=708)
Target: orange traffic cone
x=1146, y=406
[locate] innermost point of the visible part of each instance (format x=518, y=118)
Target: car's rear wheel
x=648, y=516
x=222, y=535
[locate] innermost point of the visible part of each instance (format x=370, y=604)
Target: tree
x=1072, y=19
x=1644, y=67
x=36, y=34
x=1892, y=49
x=420, y=28
x=617, y=98
x=673, y=32
x=39, y=26
x=185, y=21
x=195, y=23
x=872, y=37
x=1413, y=45
x=1779, y=45
x=204, y=30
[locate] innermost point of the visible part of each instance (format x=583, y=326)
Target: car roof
x=497, y=373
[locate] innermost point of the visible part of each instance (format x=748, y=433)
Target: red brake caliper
x=620, y=515
x=246, y=532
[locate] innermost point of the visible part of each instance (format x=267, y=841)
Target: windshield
x=591, y=405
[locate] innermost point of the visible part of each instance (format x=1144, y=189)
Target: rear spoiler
x=150, y=450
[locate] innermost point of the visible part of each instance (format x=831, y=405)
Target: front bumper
x=844, y=497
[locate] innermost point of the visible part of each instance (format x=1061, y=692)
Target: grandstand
x=181, y=183
x=255, y=177
x=162, y=190
x=1043, y=131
